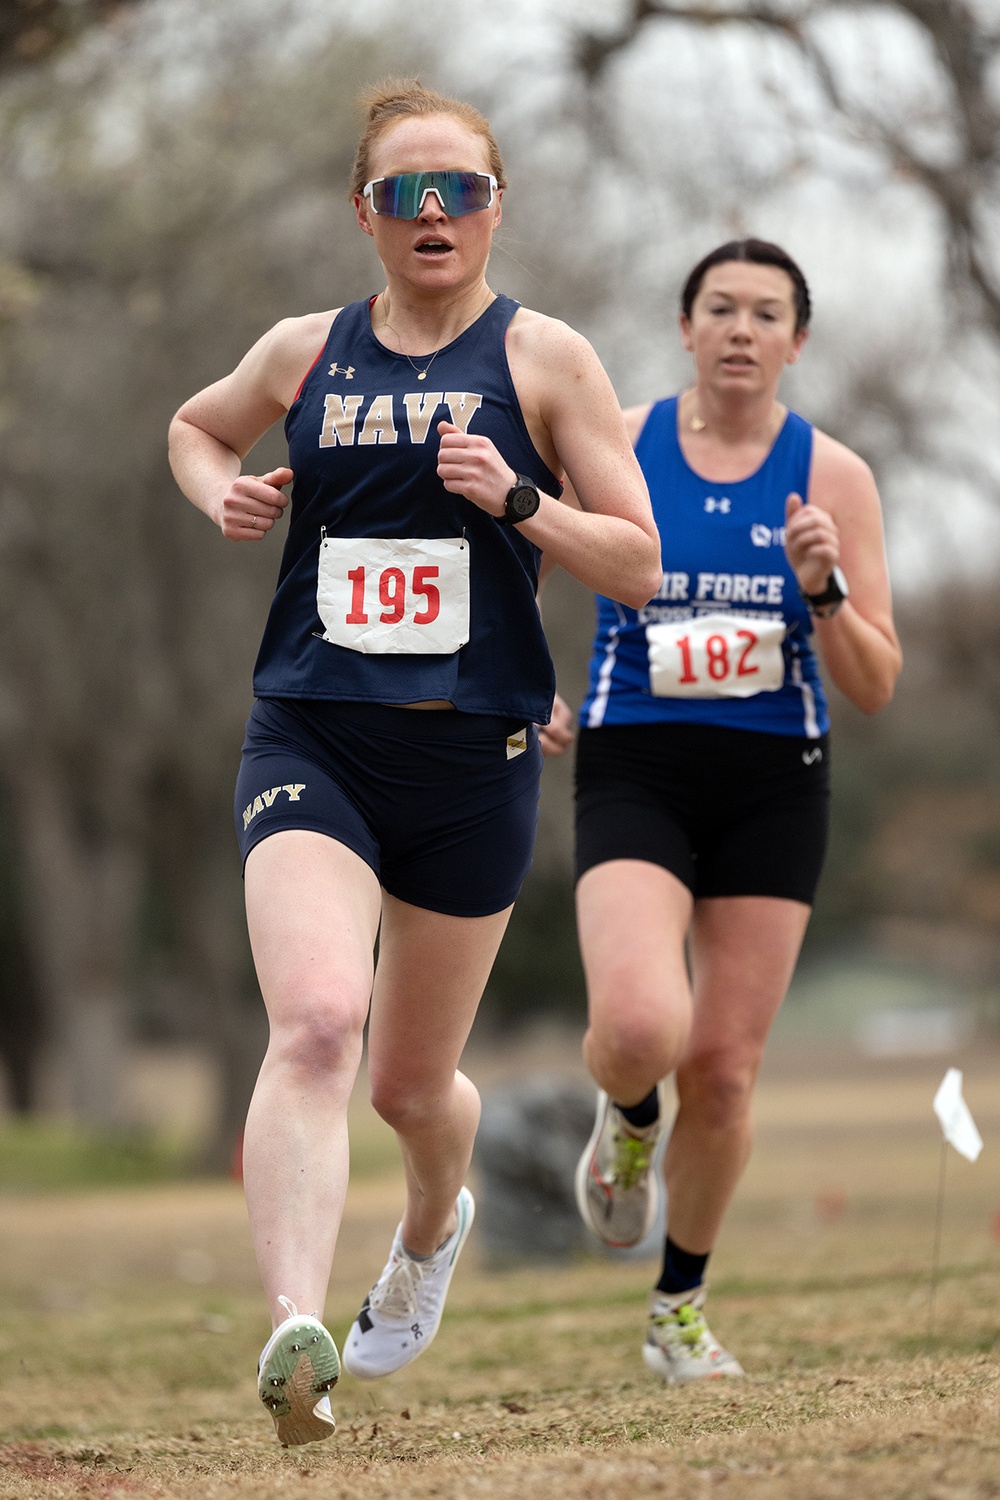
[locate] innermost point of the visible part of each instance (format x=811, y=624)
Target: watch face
x=523, y=503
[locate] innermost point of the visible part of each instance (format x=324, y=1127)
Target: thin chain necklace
x=697, y=423
x=422, y=373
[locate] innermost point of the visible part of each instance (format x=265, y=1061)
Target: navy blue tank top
x=726, y=575
x=363, y=446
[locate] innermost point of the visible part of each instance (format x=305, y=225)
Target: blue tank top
x=363, y=446
x=723, y=556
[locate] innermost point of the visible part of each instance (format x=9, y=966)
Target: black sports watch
x=826, y=604
x=521, y=502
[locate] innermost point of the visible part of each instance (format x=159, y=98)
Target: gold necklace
x=422, y=373
x=696, y=421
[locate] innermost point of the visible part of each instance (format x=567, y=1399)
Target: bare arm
x=213, y=431
x=842, y=525
x=557, y=736
x=610, y=543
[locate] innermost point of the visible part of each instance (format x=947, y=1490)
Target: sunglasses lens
x=396, y=196
x=465, y=192
x=460, y=193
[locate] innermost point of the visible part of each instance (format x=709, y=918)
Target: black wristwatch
x=826, y=604
x=521, y=502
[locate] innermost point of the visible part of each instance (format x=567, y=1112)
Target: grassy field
x=130, y=1323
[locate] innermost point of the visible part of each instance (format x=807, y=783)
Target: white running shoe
x=680, y=1345
x=402, y=1312
x=298, y=1365
x=616, y=1191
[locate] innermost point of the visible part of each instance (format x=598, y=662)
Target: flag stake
x=937, y=1241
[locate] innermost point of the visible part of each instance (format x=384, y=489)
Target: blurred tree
x=153, y=244
x=946, y=139
x=20, y=1012
x=33, y=30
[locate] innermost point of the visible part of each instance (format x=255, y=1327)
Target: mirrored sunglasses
x=403, y=197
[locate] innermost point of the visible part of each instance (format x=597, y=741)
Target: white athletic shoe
x=298, y=1365
x=402, y=1312
x=680, y=1345
x=616, y=1190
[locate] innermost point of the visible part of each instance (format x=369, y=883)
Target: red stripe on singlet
x=312, y=367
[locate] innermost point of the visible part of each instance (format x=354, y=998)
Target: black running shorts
x=730, y=812
x=442, y=805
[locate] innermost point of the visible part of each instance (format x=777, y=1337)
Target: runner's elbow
x=643, y=583
x=876, y=692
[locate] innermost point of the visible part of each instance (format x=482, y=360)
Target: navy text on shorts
x=442, y=805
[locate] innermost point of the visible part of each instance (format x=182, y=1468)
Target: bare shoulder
x=284, y=355
x=550, y=342
x=839, y=475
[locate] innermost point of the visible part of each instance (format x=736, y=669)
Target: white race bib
x=384, y=595
x=715, y=656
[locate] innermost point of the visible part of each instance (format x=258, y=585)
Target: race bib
x=391, y=595
x=715, y=656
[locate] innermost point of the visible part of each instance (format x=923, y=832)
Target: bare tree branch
x=966, y=51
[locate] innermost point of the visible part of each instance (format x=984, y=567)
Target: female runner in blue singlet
x=702, y=770
x=389, y=780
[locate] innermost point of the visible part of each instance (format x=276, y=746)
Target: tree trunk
x=81, y=893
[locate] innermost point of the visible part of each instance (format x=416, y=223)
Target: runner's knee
x=319, y=1039
x=408, y=1103
x=718, y=1084
x=640, y=1040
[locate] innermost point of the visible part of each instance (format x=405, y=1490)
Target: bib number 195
x=391, y=595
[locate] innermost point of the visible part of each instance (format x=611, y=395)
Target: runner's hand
x=812, y=543
x=471, y=466
x=556, y=736
x=252, y=504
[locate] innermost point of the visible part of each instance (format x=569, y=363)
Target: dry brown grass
x=131, y=1322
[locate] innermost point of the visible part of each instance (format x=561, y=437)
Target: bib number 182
x=715, y=656
x=718, y=663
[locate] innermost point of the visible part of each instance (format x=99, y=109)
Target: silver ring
x=253, y=523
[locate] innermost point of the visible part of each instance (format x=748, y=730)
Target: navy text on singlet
x=723, y=555
x=363, y=446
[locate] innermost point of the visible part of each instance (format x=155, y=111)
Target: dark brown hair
x=761, y=253
x=401, y=98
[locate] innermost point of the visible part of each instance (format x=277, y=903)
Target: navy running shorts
x=730, y=812
x=442, y=805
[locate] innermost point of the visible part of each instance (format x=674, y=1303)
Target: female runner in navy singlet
x=702, y=770
x=389, y=780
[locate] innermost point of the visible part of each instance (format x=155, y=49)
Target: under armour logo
x=809, y=757
x=724, y=504
x=347, y=371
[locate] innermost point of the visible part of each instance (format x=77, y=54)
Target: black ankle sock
x=646, y=1112
x=682, y=1271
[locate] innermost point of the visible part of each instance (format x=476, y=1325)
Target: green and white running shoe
x=402, y=1312
x=298, y=1366
x=680, y=1346
x=616, y=1190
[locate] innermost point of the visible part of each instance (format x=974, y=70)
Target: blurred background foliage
x=173, y=176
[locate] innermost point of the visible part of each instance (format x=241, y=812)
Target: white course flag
x=956, y=1120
